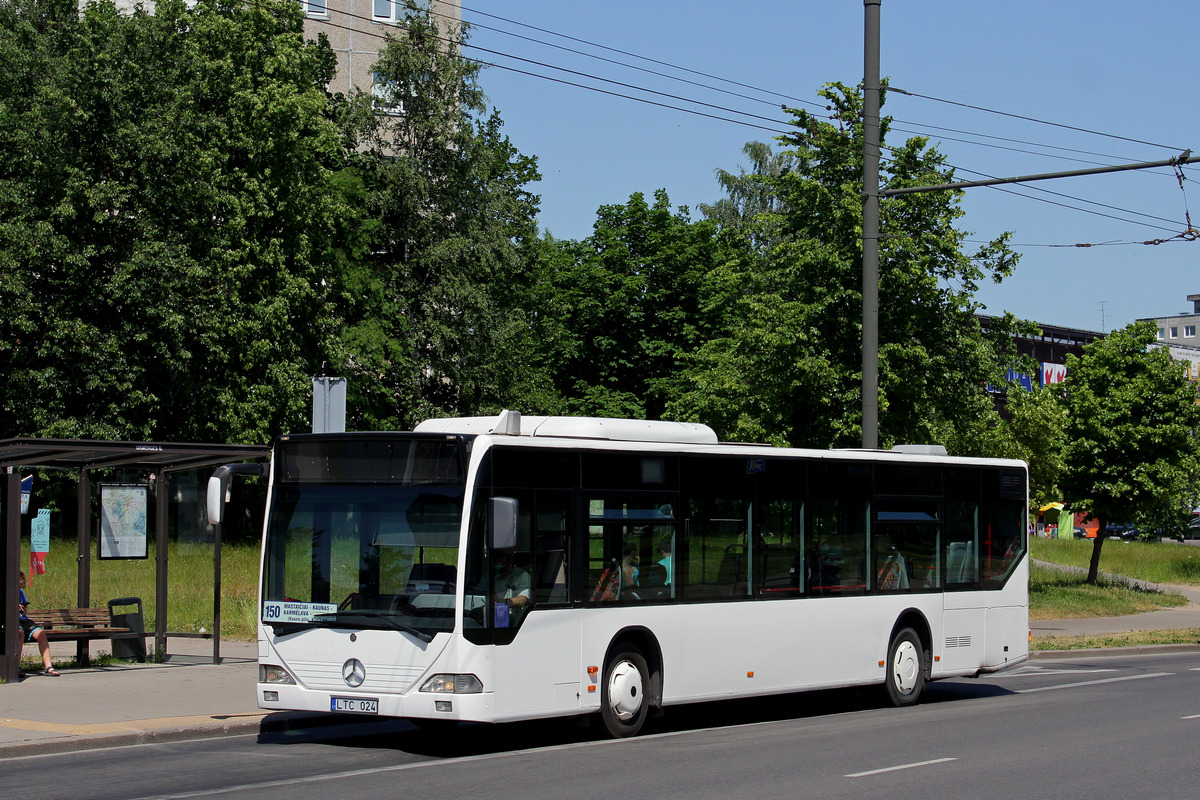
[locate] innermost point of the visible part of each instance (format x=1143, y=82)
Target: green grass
x=1059, y=595
x=1156, y=562
x=189, y=586
x=1125, y=639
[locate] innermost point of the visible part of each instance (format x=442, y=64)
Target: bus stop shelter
x=85, y=456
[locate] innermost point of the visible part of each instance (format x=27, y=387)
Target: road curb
x=1145, y=649
x=282, y=724
x=98, y=741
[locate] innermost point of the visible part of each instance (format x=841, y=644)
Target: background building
x=1049, y=347
x=1179, y=328
x=356, y=31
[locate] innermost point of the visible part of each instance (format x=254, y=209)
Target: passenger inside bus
x=629, y=566
x=664, y=551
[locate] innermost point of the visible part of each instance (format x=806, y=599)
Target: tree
x=1131, y=432
x=1035, y=432
x=751, y=194
x=166, y=203
x=435, y=313
x=621, y=310
x=785, y=366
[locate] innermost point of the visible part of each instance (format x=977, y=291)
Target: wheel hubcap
x=625, y=690
x=906, y=666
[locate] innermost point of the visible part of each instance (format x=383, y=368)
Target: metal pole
x=1180, y=160
x=870, y=240
x=83, y=534
x=216, y=594
x=161, y=511
x=12, y=557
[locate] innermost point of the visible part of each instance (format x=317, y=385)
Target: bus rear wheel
x=905, y=668
x=623, y=699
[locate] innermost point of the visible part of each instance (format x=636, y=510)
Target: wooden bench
x=83, y=625
x=76, y=624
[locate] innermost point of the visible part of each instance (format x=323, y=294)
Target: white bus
x=501, y=569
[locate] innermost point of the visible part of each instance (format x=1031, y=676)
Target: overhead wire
x=482, y=62
x=641, y=57
x=792, y=131
x=759, y=89
x=1031, y=119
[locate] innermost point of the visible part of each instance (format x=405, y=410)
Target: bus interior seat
x=959, y=558
x=438, y=577
x=652, y=580
x=552, y=577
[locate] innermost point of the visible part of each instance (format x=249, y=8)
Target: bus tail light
x=270, y=673
x=453, y=684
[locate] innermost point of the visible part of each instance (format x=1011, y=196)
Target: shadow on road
x=473, y=739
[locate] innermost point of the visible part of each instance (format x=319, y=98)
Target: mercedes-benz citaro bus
x=512, y=568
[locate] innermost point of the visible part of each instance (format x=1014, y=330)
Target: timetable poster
x=123, y=521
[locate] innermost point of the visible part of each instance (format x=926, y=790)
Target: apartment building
x=1181, y=328
x=356, y=31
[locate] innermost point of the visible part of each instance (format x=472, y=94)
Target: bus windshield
x=376, y=555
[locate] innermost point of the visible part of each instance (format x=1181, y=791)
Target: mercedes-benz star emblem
x=354, y=673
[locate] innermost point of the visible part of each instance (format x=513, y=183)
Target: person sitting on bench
x=34, y=632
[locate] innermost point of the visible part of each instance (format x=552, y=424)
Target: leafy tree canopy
x=1131, y=431
x=785, y=365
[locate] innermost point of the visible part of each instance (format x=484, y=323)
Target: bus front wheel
x=623, y=700
x=905, y=668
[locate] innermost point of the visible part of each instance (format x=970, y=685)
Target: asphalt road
x=1103, y=727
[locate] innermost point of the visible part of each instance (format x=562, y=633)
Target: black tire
x=905, y=679
x=624, y=699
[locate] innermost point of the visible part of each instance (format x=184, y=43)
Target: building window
x=394, y=10
x=1174, y=332
x=315, y=9
x=1162, y=334
x=384, y=10
x=386, y=96
x=1189, y=331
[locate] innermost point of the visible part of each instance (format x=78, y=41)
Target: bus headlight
x=456, y=684
x=269, y=673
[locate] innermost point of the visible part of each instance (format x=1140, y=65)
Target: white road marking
x=1025, y=672
x=899, y=767
x=1094, y=683
x=1193, y=716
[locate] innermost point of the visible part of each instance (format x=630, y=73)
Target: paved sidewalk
x=185, y=697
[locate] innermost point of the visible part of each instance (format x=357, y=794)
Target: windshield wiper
x=341, y=619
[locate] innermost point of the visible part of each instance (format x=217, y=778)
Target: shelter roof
x=98, y=454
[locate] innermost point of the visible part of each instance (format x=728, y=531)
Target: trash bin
x=128, y=647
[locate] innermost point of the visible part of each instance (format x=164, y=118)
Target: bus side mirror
x=218, y=495
x=502, y=523
x=218, y=488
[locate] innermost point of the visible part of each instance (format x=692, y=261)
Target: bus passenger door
x=537, y=669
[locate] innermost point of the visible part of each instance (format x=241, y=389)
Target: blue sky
x=1105, y=66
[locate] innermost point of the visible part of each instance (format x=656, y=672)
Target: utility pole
x=872, y=193
x=870, y=235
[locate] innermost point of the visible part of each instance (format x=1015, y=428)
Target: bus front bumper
x=474, y=707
